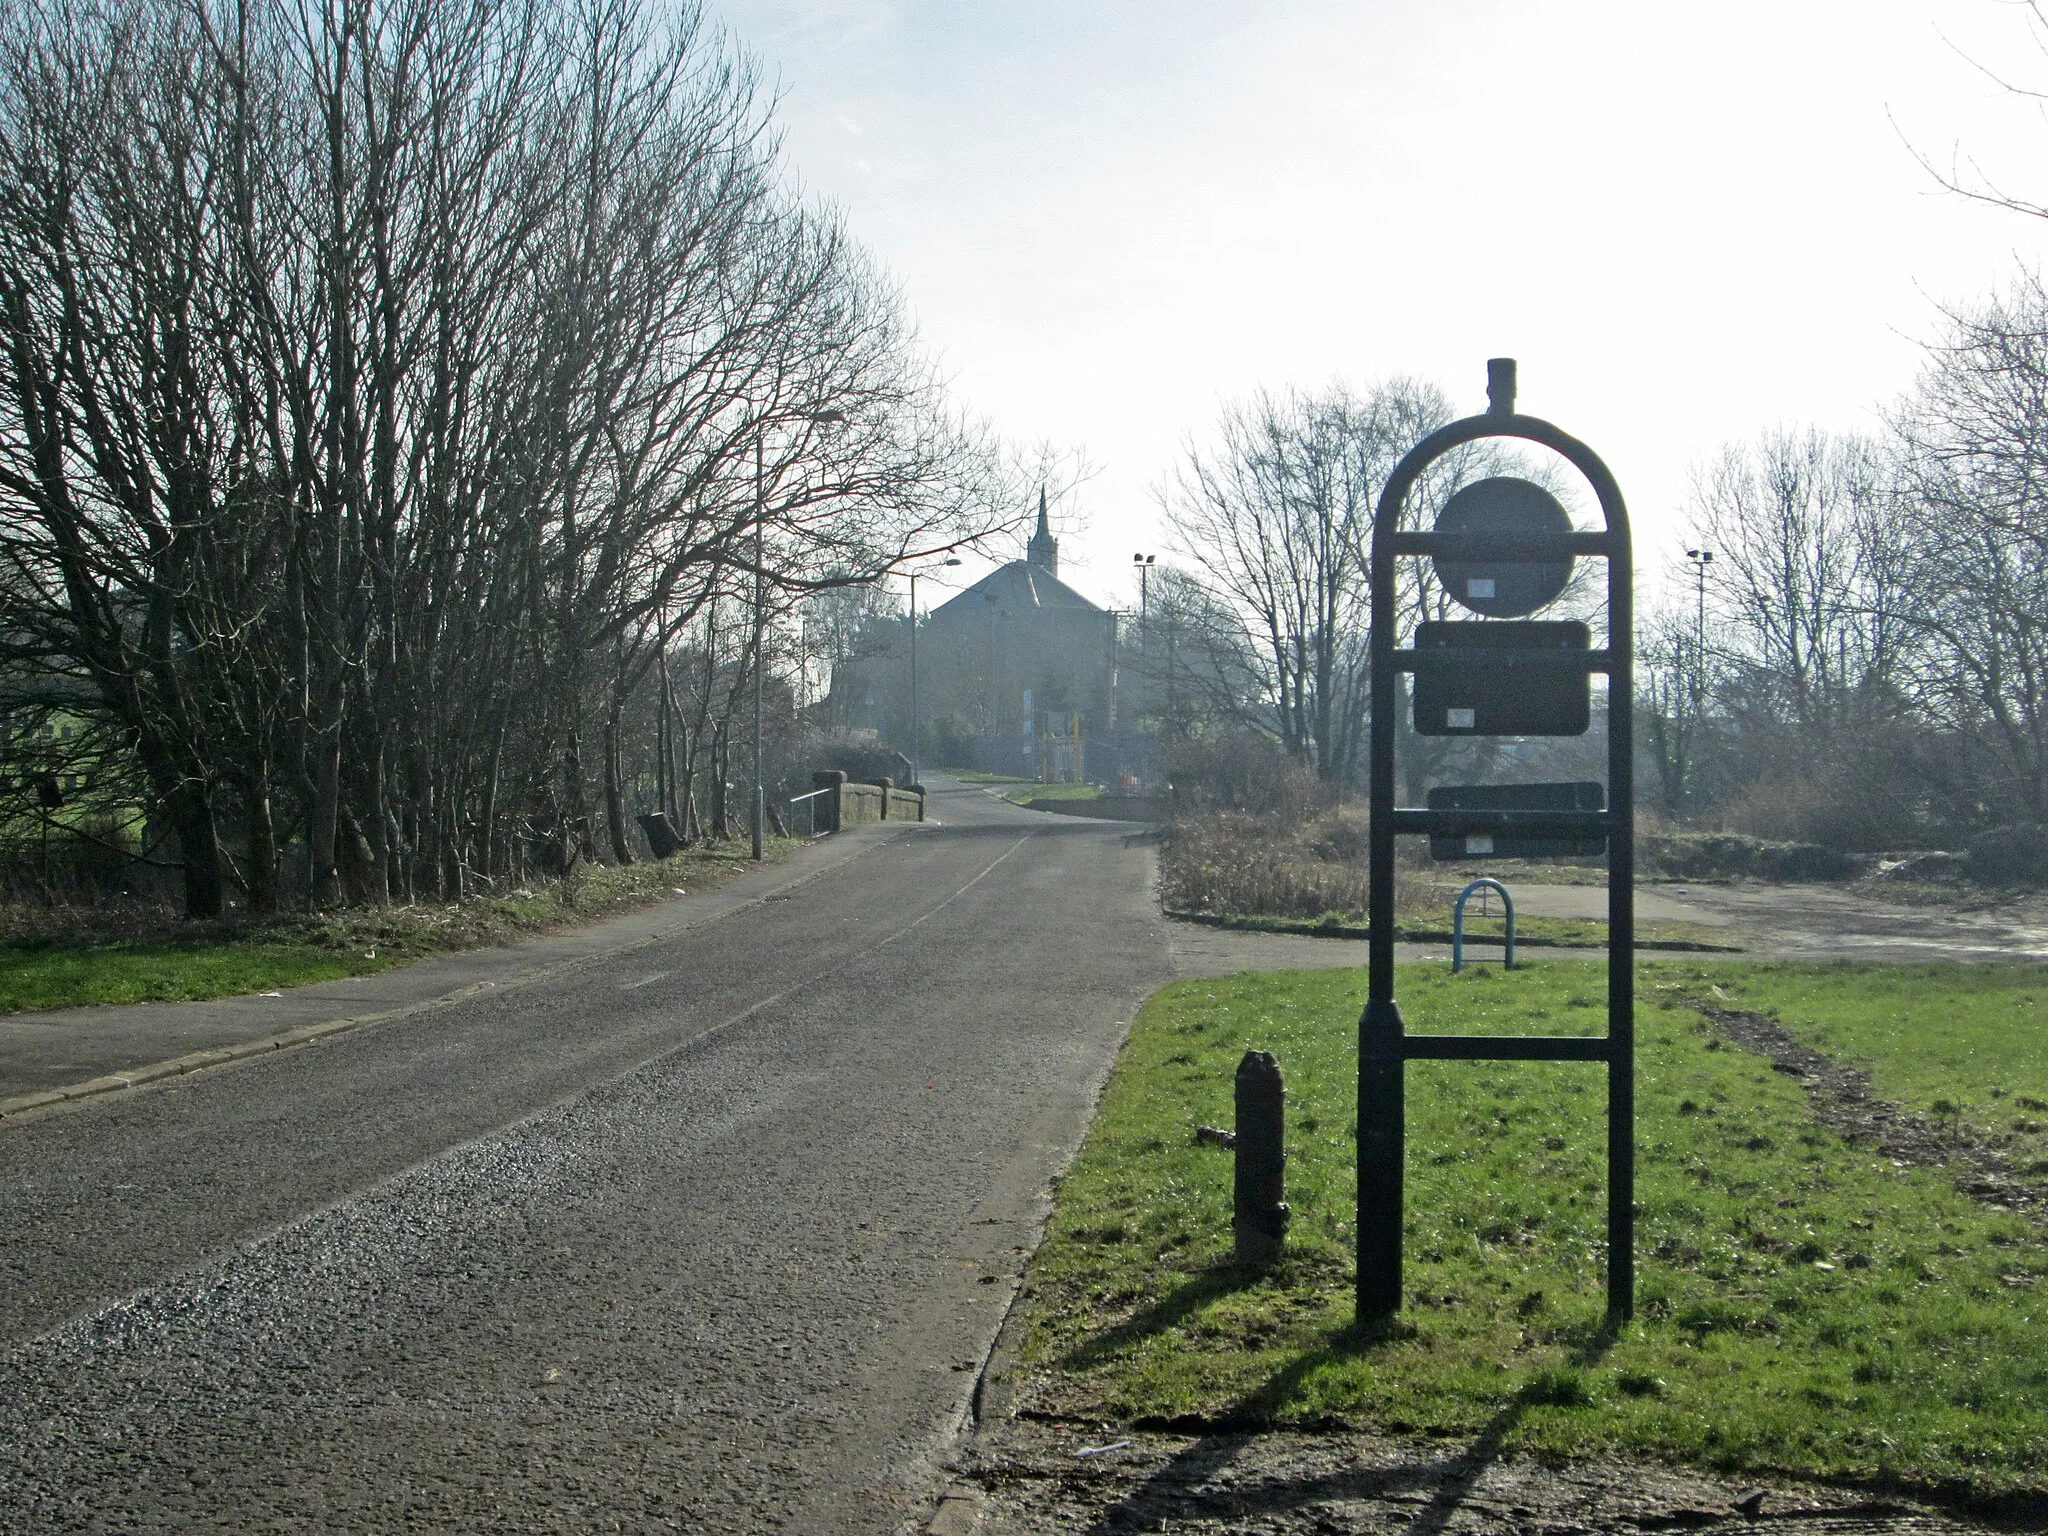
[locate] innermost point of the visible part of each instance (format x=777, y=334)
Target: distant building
x=1017, y=674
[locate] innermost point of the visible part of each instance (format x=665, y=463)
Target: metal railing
x=811, y=810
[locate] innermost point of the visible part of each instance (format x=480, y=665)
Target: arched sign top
x=1471, y=429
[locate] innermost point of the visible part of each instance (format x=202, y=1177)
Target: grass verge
x=1961, y=1044
x=1805, y=1306
x=1485, y=934
x=1024, y=794
x=67, y=958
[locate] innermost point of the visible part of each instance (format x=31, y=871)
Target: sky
x=1689, y=223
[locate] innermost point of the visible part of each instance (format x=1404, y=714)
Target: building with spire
x=1044, y=550
x=1017, y=674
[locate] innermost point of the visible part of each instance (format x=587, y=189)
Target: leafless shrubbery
x=1244, y=864
x=1239, y=770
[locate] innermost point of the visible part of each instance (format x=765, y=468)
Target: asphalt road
x=711, y=1236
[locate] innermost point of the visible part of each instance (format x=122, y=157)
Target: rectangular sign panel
x=1538, y=686
x=1583, y=796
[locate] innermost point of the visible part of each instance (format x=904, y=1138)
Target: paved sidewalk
x=99, y=1048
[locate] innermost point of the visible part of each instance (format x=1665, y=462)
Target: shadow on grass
x=1186, y=1486
x=1207, y=1286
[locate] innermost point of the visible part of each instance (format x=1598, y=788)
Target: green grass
x=1804, y=1306
x=976, y=776
x=1024, y=794
x=134, y=973
x=1484, y=934
x=1968, y=1042
x=65, y=964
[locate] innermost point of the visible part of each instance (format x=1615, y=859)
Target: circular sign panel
x=1511, y=510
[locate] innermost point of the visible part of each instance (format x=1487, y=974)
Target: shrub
x=1239, y=771
x=2015, y=855
x=1725, y=855
x=1251, y=865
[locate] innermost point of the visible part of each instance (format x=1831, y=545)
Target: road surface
x=712, y=1235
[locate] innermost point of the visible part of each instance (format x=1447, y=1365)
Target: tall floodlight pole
x=1144, y=563
x=1701, y=559
x=815, y=418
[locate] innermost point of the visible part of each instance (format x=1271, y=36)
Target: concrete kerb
x=307, y=1034
x=993, y=1400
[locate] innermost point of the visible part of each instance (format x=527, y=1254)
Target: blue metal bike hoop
x=1458, y=923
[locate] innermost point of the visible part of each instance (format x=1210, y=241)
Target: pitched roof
x=1016, y=588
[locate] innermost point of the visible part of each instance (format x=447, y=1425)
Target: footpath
x=51, y=1056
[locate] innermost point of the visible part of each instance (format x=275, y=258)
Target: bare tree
x=392, y=385
x=1974, y=469
x=1277, y=516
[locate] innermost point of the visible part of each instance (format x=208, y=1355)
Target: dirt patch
x=1841, y=1100
x=1037, y=1476
x=1867, y=922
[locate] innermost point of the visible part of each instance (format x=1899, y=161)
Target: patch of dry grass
x=63, y=956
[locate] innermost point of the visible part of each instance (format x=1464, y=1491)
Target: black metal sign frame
x=1384, y=1045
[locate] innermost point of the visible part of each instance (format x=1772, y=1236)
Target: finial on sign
x=1500, y=386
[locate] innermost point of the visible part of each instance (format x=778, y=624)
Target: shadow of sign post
x=1503, y=548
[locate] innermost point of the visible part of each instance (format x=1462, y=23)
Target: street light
x=916, y=723
x=1143, y=564
x=824, y=418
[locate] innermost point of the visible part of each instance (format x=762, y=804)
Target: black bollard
x=1259, y=1219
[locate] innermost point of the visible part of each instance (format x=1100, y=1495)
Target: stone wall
x=849, y=803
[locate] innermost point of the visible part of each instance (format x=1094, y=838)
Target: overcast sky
x=1688, y=222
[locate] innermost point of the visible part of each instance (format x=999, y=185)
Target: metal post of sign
x=1511, y=548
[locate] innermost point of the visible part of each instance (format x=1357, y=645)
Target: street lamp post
x=1143, y=565
x=815, y=418
x=916, y=721
x=760, y=817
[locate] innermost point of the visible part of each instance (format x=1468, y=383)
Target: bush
x=2014, y=855
x=861, y=761
x=1239, y=771
x=1725, y=855
x=1925, y=868
x=1250, y=865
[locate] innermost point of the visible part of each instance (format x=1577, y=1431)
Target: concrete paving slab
x=1653, y=904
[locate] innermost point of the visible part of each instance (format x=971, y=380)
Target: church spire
x=1044, y=550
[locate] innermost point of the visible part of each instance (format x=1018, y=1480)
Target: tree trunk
x=379, y=831
x=721, y=826
x=576, y=839
x=324, y=885
x=262, y=876
x=495, y=860
x=614, y=799
x=199, y=843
